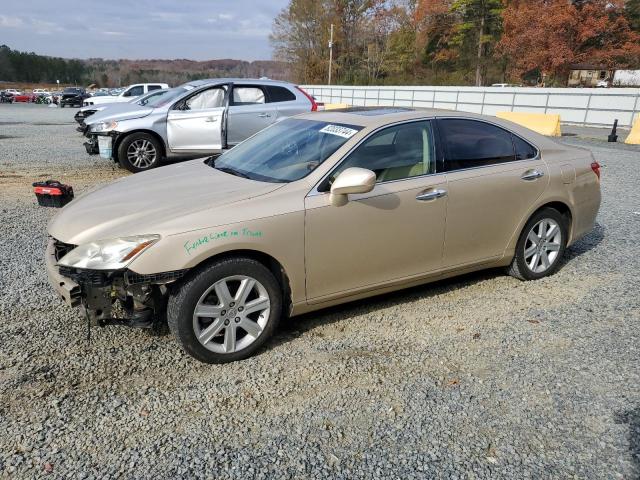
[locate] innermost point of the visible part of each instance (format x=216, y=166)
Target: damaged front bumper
x=103, y=295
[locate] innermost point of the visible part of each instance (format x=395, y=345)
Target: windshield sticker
x=339, y=130
x=192, y=245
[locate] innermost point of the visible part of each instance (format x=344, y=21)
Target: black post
x=613, y=137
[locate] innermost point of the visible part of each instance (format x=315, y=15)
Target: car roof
x=259, y=81
x=375, y=117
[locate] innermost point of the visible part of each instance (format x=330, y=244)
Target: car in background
x=89, y=110
x=41, y=91
x=25, y=98
x=197, y=119
x=128, y=94
x=316, y=211
x=73, y=97
x=13, y=91
x=6, y=97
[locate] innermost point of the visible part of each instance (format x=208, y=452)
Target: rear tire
x=139, y=152
x=541, y=245
x=226, y=311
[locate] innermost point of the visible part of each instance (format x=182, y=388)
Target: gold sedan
x=318, y=210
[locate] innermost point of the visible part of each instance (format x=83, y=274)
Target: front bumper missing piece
x=142, y=298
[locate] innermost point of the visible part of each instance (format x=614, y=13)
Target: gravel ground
x=482, y=376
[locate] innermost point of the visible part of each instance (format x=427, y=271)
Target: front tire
x=139, y=152
x=227, y=311
x=541, y=245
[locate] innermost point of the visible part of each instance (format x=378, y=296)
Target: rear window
x=470, y=143
x=279, y=94
x=154, y=87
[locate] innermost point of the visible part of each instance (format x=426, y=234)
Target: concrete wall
x=583, y=106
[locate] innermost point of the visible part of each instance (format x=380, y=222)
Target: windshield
x=162, y=98
x=286, y=151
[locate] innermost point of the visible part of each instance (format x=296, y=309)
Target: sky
x=142, y=29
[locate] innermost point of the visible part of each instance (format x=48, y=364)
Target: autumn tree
x=550, y=35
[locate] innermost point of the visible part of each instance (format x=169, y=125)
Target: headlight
x=111, y=254
x=104, y=126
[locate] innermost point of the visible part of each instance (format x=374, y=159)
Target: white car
x=13, y=91
x=41, y=91
x=129, y=93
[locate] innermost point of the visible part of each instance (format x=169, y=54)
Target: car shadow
x=585, y=244
x=292, y=328
x=631, y=418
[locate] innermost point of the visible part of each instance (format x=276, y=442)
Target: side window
x=210, y=98
x=524, y=150
x=151, y=88
x=395, y=153
x=470, y=143
x=279, y=94
x=134, y=91
x=247, y=95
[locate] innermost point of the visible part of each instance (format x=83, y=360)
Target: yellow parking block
x=543, y=123
x=634, y=134
x=335, y=106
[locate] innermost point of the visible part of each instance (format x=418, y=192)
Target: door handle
x=211, y=119
x=431, y=195
x=264, y=115
x=530, y=175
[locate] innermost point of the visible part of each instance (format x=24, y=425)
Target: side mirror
x=352, y=180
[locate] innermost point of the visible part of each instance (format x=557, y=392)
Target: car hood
x=118, y=111
x=168, y=200
x=108, y=99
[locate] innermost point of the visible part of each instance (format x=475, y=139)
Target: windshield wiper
x=231, y=171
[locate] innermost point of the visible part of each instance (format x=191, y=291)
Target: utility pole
x=330, y=53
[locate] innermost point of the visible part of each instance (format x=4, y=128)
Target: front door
x=494, y=177
x=393, y=232
x=249, y=113
x=195, y=124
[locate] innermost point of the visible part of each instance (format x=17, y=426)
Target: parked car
x=6, y=97
x=194, y=120
x=25, y=98
x=73, y=97
x=89, y=110
x=318, y=210
x=13, y=91
x=128, y=94
x=41, y=91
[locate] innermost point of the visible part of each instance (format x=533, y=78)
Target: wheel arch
x=557, y=204
x=270, y=262
x=120, y=138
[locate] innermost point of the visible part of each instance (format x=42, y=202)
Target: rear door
x=494, y=177
x=249, y=112
x=195, y=124
x=286, y=102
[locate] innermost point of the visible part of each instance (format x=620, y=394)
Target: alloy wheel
x=231, y=314
x=542, y=246
x=141, y=153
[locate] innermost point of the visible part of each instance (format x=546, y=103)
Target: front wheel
x=139, y=152
x=541, y=245
x=227, y=311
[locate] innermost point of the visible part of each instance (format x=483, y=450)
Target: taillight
x=595, y=166
x=314, y=105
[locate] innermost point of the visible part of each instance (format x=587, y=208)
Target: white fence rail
x=584, y=106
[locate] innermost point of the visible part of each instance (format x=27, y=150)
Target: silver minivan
x=197, y=119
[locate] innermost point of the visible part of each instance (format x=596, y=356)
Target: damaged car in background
x=126, y=95
x=197, y=119
x=315, y=211
x=85, y=112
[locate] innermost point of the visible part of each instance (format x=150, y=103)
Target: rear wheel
x=541, y=245
x=227, y=311
x=139, y=152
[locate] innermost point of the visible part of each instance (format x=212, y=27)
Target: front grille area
x=61, y=248
x=91, y=278
x=135, y=278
